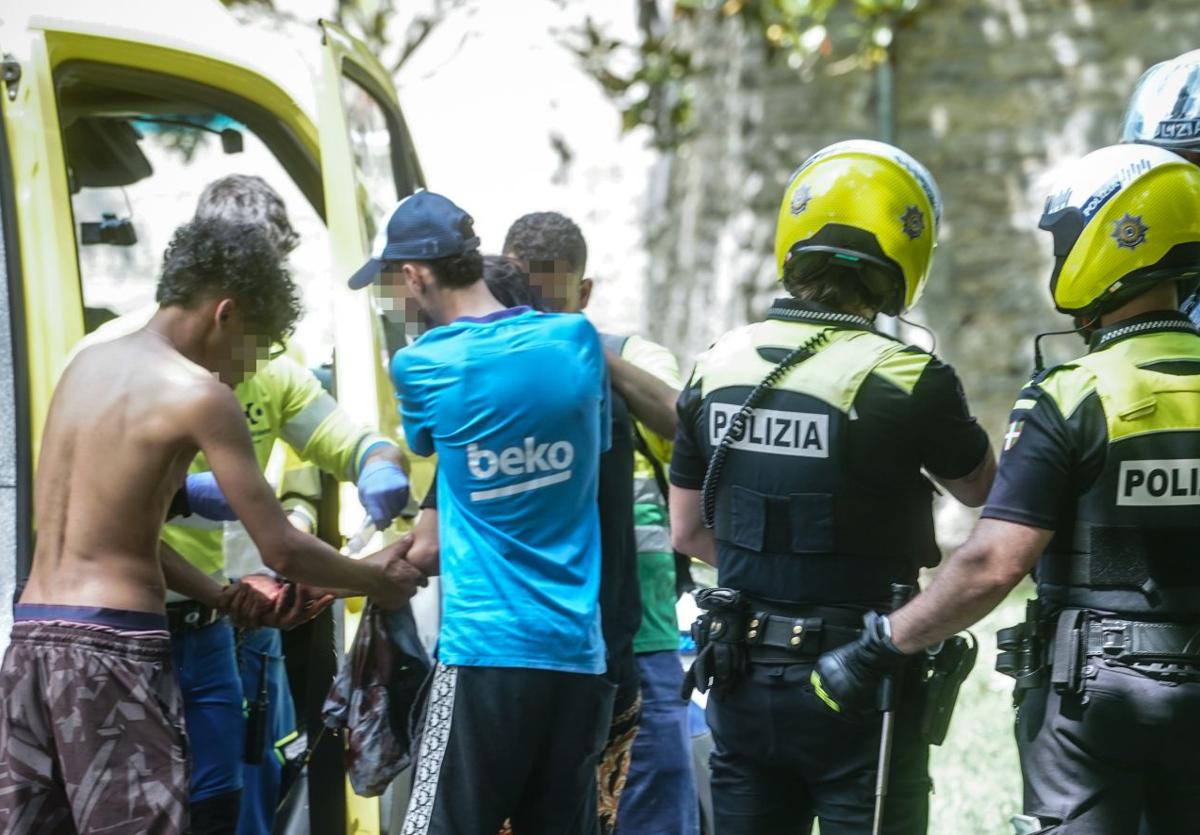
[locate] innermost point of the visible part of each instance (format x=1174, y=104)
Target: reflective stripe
x=300, y=507
x=366, y=446
x=645, y=491
x=653, y=538
x=298, y=431
x=1024, y=403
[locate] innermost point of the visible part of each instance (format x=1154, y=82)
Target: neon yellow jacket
x=656, y=561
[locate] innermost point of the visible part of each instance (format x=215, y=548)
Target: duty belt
x=802, y=635
x=186, y=615
x=1133, y=641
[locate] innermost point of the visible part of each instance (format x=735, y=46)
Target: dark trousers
x=1123, y=759
x=517, y=744
x=782, y=759
x=660, y=791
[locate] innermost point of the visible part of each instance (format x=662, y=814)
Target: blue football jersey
x=516, y=407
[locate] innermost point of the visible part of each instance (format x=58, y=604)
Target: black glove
x=847, y=679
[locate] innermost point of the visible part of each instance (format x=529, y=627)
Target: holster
x=1068, y=653
x=948, y=667
x=719, y=633
x=1022, y=651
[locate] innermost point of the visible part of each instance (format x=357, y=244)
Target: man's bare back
x=115, y=449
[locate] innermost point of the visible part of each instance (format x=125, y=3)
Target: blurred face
x=408, y=296
x=232, y=350
x=560, y=288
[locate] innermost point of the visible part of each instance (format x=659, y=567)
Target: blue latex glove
x=206, y=499
x=383, y=491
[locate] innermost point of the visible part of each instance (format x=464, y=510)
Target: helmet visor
x=1165, y=108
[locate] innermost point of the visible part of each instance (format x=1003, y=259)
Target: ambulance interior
x=140, y=148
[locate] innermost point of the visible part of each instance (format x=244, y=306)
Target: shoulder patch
x=1067, y=385
x=904, y=368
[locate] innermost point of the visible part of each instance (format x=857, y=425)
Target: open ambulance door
x=367, y=165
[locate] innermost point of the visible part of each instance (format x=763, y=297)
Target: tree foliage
x=648, y=79
x=373, y=21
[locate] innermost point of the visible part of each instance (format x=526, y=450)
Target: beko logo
x=528, y=459
x=771, y=431
x=1171, y=481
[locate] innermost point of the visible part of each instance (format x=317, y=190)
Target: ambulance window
x=387, y=171
x=376, y=146
x=160, y=163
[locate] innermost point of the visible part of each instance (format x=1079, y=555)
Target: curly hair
x=508, y=281
x=247, y=198
x=211, y=257
x=546, y=237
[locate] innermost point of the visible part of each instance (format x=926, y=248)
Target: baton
x=887, y=697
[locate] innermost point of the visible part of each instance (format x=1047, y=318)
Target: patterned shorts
x=91, y=732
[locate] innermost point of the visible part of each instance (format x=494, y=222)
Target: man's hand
x=400, y=577
x=383, y=488
x=300, y=604
x=847, y=679
x=253, y=601
x=204, y=498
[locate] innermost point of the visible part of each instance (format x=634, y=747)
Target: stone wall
x=990, y=94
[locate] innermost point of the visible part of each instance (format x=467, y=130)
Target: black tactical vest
x=1131, y=545
x=792, y=523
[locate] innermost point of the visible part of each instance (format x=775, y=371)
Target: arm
x=311, y=422
x=650, y=399
x=972, y=582
x=246, y=605
x=953, y=446
x=689, y=461
x=1036, y=475
x=688, y=534
x=972, y=489
x=219, y=430
x=425, y=553
x=183, y=577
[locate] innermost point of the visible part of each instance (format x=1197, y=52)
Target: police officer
x=1098, y=486
x=1164, y=110
x=797, y=470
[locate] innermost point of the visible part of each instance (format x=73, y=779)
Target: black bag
x=373, y=696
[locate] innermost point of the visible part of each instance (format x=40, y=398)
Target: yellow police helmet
x=1123, y=218
x=866, y=205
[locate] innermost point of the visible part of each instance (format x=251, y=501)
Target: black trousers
x=515, y=744
x=782, y=759
x=1123, y=759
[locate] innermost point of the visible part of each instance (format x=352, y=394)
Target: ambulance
x=114, y=117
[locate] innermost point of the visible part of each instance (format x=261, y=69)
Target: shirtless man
x=91, y=721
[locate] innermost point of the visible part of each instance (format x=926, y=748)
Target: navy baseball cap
x=423, y=227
